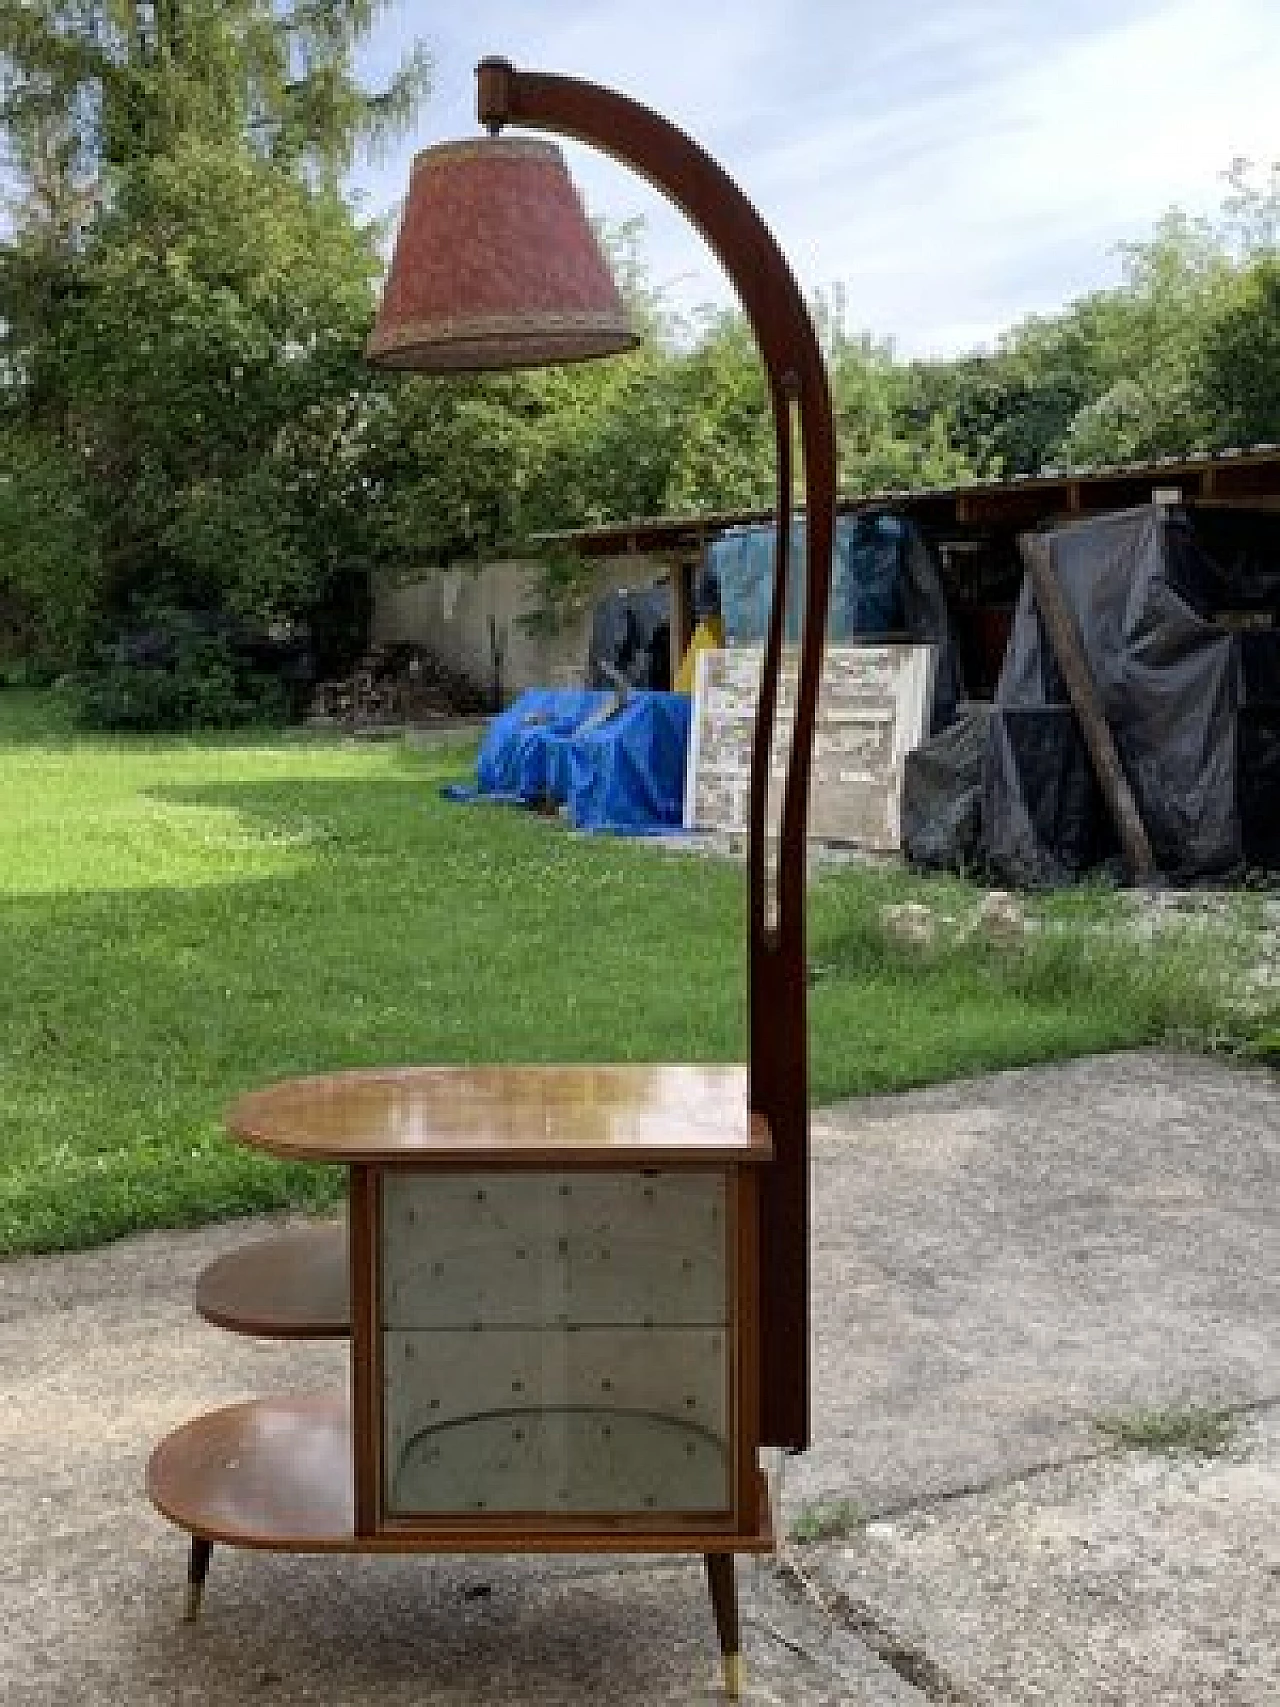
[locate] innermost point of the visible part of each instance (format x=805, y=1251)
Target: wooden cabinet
x=550, y=1281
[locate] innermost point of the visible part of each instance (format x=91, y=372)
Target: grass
x=814, y=1523
x=184, y=918
x=1195, y=1431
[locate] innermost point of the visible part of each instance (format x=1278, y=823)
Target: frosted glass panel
x=547, y=1249
x=558, y=1420
x=555, y=1343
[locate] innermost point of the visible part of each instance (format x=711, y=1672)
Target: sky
x=952, y=165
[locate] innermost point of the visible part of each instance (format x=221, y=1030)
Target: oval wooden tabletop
x=625, y=1116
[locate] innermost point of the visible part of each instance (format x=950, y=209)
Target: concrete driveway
x=997, y=1265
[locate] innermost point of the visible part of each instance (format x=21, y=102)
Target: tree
x=215, y=371
x=467, y=468
x=880, y=447
x=185, y=297
x=1249, y=226
x=119, y=80
x=49, y=545
x=1006, y=412
x=1124, y=373
x=1146, y=339
x=1240, y=359
x=725, y=454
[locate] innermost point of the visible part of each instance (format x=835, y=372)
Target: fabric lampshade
x=496, y=266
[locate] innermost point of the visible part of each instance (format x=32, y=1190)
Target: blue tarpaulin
x=628, y=775
x=742, y=562
x=625, y=774
x=516, y=756
x=885, y=580
x=866, y=579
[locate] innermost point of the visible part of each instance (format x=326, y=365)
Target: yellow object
x=708, y=636
x=733, y=1676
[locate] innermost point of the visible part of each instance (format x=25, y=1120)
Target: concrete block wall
x=458, y=614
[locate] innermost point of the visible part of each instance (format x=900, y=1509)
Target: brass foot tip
x=191, y=1611
x=733, y=1676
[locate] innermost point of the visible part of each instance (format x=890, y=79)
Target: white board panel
x=874, y=706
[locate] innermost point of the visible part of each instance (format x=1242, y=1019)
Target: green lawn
x=181, y=919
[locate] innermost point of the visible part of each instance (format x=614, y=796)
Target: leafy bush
x=184, y=671
x=50, y=548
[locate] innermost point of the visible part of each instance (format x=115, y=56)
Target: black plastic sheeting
x=1040, y=792
x=866, y=581
x=631, y=634
x=942, y=794
x=925, y=617
x=1239, y=564
x=1259, y=747
x=1260, y=786
x=1195, y=746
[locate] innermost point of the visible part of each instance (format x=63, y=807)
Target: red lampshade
x=495, y=265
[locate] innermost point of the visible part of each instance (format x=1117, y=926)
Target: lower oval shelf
x=277, y=1474
x=271, y=1473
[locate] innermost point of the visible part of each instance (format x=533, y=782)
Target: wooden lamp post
x=577, y=1298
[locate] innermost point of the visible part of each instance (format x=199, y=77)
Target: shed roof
x=1236, y=477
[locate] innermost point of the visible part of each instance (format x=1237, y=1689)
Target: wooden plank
x=366, y=1350
x=292, y=1286
x=1082, y=690
x=682, y=623
x=268, y=1473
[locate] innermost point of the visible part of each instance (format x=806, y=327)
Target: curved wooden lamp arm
x=649, y=144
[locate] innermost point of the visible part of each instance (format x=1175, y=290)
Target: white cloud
x=956, y=164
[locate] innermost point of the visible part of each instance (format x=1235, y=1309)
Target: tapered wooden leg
x=197, y=1571
x=724, y=1603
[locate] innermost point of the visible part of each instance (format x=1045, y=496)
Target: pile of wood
x=393, y=685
